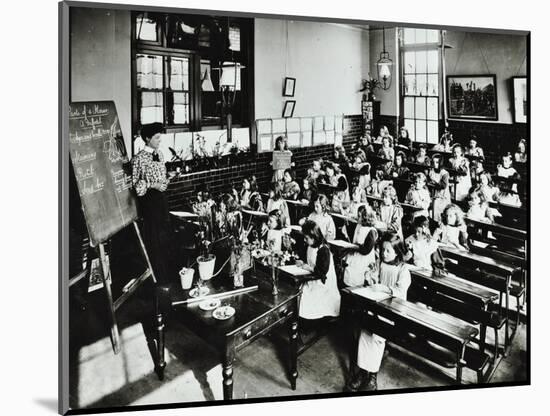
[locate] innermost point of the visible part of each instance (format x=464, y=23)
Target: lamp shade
x=384, y=65
x=230, y=76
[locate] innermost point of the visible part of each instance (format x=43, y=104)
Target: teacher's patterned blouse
x=147, y=171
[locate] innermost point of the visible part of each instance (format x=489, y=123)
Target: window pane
x=146, y=29
x=410, y=62
x=432, y=132
x=151, y=109
x=433, y=64
x=178, y=74
x=235, y=38
x=422, y=85
x=432, y=109
x=409, y=107
x=421, y=130
x=149, y=72
x=420, y=107
x=432, y=35
x=209, y=78
x=408, y=36
x=410, y=85
x=432, y=88
x=421, y=65
x=409, y=125
x=420, y=35
x=179, y=104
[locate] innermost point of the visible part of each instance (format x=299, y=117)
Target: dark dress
x=149, y=168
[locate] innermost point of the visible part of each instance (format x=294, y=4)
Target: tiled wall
x=495, y=138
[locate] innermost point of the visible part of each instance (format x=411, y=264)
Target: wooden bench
x=487, y=272
x=413, y=328
x=457, y=297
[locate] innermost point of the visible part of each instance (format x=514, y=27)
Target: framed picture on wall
x=289, y=87
x=520, y=99
x=288, y=110
x=472, y=97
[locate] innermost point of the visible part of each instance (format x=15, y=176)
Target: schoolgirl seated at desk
x=423, y=248
x=478, y=208
x=322, y=218
x=452, y=229
x=445, y=144
x=228, y=219
x=272, y=233
x=249, y=195
x=404, y=141
x=336, y=179
x=361, y=262
x=399, y=170
x=521, y=153
x=462, y=166
x=361, y=168
x=291, y=189
x=438, y=179
x=379, y=182
x=393, y=279
x=308, y=192
x=320, y=296
x=316, y=174
x=389, y=213
x=422, y=157
x=419, y=195
x=276, y=201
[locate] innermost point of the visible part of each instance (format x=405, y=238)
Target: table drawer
x=250, y=332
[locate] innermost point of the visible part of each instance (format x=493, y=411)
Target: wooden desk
x=400, y=318
x=494, y=274
x=513, y=233
x=257, y=313
x=404, y=205
x=455, y=286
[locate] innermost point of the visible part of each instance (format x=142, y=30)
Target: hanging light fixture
x=384, y=65
x=229, y=85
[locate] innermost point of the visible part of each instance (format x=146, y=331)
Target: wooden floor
x=99, y=378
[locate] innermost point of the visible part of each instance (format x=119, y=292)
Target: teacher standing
x=150, y=182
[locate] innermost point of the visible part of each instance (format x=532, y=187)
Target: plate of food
x=223, y=312
x=209, y=304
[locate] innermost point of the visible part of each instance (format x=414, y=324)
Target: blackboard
x=101, y=168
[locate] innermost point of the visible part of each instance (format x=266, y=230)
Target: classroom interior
x=303, y=88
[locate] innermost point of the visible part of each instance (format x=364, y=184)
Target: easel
x=128, y=291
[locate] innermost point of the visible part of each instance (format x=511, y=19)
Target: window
x=420, y=86
x=176, y=70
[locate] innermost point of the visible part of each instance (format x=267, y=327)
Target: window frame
x=245, y=56
x=419, y=47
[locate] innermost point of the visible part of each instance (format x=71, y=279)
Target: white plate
x=209, y=304
x=194, y=293
x=223, y=312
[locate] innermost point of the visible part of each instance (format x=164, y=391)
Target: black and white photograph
x=225, y=244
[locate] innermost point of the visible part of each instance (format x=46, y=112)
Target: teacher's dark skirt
x=158, y=234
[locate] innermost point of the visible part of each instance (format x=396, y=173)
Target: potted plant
x=369, y=85
x=206, y=260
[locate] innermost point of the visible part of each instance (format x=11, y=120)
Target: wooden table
x=400, y=317
x=257, y=313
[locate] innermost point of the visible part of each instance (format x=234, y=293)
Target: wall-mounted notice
x=102, y=169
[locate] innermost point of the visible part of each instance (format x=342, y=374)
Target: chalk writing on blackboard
x=102, y=169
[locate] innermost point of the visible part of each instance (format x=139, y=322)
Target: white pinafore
x=319, y=299
x=359, y=264
x=371, y=346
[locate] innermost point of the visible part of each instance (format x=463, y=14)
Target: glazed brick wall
x=222, y=179
x=495, y=138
